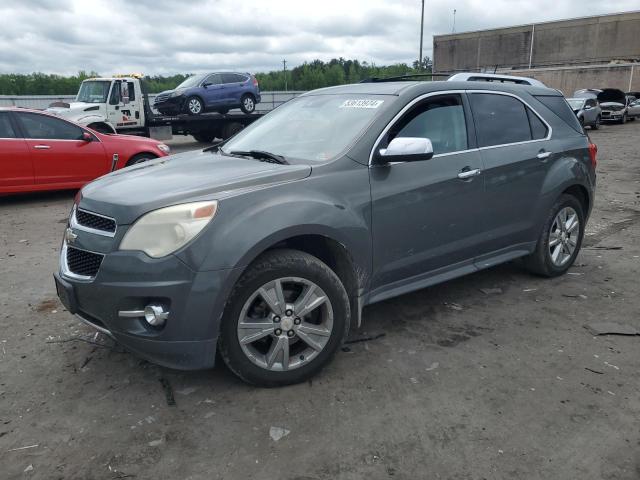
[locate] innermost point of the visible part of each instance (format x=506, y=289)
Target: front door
x=61, y=158
x=427, y=216
x=16, y=168
x=212, y=90
x=121, y=114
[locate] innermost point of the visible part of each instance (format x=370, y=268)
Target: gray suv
x=266, y=248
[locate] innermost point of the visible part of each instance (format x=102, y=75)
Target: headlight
x=165, y=148
x=164, y=231
x=176, y=93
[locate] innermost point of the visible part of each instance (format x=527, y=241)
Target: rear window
x=561, y=108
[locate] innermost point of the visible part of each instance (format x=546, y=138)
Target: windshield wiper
x=262, y=156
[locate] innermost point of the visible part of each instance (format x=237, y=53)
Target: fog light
x=155, y=315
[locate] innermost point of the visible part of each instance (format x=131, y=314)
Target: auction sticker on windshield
x=362, y=103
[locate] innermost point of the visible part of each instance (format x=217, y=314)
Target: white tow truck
x=120, y=104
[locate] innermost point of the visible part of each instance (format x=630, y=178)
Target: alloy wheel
x=195, y=106
x=285, y=324
x=563, y=236
x=248, y=104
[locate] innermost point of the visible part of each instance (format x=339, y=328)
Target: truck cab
x=107, y=104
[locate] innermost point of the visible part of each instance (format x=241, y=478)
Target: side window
x=114, y=98
x=499, y=119
x=213, y=79
x=230, y=78
x=538, y=129
x=6, y=129
x=439, y=119
x=48, y=128
x=132, y=91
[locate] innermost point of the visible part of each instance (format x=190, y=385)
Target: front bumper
x=172, y=104
x=611, y=116
x=129, y=281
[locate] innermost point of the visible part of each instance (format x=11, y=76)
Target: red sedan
x=41, y=152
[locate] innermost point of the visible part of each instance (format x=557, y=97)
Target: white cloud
x=168, y=36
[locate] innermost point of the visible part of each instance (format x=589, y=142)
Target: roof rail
x=492, y=77
x=400, y=78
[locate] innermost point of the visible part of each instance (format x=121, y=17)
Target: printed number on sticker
x=361, y=103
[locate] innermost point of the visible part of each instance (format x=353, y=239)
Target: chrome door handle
x=42, y=147
x=469, y=173
x=543, y=155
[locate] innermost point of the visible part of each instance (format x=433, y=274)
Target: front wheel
x=623, y=120
x=247, y=104
x=140, y=158
x=285, y=319
x=560, y=240
x=596, y=125
x=194, y=106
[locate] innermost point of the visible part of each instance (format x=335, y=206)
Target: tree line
x=309, y=75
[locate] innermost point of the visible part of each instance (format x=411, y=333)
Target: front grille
x=82, y=262
x=97, y=222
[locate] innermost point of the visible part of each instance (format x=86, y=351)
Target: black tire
x=623, y=120
x=270, y=266
x=204, y=137
x=248, y=103
x=194, y=106
x=540, y=262
x=596, y=126
x=230, y=129
x=140, y=158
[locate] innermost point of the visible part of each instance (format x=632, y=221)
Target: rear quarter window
x=561, y=108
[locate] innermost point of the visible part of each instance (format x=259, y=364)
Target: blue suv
x=217, y=92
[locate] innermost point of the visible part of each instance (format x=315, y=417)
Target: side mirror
x=124, y=92
x=588, y=107
x=87, y=137
x=406, y=149
x=207, y=84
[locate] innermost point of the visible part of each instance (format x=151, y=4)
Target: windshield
x=575, y=103
x=315, y=127
x=93, y=91
x=192, y=81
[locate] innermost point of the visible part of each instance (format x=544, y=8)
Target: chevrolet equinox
x=266, y=248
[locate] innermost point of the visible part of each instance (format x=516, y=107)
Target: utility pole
x=454, y=21
x=420, y=66
x=284, y=68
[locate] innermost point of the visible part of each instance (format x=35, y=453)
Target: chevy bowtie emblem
x=69, y=236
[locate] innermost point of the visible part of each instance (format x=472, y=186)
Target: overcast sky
x=163, y=36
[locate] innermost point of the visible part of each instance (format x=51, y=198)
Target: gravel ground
x=461, y=384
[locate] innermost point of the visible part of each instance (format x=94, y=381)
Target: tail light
x=593, y=151
x=255, y=81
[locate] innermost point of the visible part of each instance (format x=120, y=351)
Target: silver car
x=587, y=110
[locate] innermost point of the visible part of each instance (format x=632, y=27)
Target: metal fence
x=270, y=100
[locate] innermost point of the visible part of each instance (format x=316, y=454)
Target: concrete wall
x=590, y=40
x=626, y=77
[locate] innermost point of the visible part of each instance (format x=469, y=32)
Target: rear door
x=233, y=88
x=513, y=142
x=61, y=158
x=16, y=168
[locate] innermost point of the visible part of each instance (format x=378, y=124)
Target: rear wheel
x=194, y=106
x=141, y=157
x=285, y=319
x=230, y=129
x=248, y=103
x=560, y=240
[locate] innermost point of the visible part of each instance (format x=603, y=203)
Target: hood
x=612, y=95
x=128, y=193
x=615, y=105
x=73, y=109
